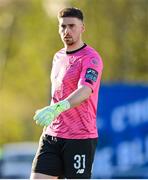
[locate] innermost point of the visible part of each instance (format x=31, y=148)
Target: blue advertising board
x=122, y=119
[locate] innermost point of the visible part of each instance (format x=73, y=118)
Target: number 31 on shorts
x=79, y=161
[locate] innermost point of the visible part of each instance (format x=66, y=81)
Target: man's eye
x=71, y=25
x=63, y=26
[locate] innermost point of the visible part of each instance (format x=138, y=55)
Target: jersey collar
x=71, y=52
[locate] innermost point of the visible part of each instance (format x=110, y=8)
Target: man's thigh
x=48, y=159
x=41, y=176
x=78, y=158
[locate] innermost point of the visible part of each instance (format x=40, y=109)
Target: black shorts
x=65, y=158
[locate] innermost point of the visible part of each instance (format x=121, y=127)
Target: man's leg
x=42, y=176
x=47, y=163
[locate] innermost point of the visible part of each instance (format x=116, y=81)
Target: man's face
x=70, y=30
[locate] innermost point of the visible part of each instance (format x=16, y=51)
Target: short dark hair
x=71, y=12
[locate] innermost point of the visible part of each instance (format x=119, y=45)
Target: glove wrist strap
x=65, y=105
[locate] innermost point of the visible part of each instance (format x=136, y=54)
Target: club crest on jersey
x=91, y=74
x=71, y=60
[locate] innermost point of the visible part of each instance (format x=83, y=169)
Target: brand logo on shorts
x=80, y=171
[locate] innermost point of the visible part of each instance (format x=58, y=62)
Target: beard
x=68, y=41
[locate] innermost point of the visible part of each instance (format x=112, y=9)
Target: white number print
x=79, y=161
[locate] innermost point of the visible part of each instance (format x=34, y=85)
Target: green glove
x=47, y=114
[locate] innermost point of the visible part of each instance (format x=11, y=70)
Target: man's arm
x=46, y=115
x=79, y=95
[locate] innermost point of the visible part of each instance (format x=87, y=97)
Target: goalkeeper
x=67, y=144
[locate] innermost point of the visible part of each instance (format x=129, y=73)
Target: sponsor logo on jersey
x=91, y=74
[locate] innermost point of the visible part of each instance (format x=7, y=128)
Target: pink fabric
x=68, y=73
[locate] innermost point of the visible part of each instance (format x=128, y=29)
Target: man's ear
x=83, y=27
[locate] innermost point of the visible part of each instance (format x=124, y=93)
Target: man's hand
x=47, y=114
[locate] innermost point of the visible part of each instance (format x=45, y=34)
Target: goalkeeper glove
x=47, y=114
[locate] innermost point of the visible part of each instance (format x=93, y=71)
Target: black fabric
x=69, y=158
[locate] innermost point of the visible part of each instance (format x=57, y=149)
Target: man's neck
x=74, y=46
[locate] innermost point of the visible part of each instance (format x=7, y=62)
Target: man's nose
x=67, y=30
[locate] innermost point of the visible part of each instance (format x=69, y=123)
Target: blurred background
x=118, y=29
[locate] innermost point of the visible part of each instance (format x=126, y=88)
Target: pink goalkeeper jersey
x=71, y=70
